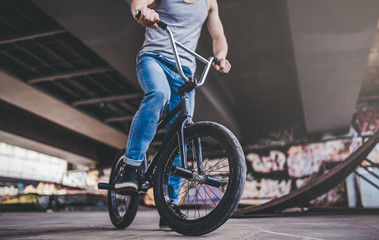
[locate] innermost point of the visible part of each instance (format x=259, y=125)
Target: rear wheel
x=208, y=191
x=122, y=208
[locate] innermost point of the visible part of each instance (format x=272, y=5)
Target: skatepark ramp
x=317, y=187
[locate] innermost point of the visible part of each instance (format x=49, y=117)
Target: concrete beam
x=26, y=97
x=107, y=99
x=28, y=37
x=70, y=74
x=25, y=125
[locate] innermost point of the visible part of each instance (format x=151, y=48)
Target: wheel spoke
x=215, y=170
x=210, y=196
x=219, y=161
x=205, y=200
x=180, y=193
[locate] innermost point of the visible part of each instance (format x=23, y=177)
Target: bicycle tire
x=123, y=214
x=234, y=175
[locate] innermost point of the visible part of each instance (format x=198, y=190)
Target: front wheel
x=200, y=198
x=122, y=208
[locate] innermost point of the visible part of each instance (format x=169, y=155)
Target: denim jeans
x=160, y=81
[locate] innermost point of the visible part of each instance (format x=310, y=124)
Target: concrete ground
x=96, y=225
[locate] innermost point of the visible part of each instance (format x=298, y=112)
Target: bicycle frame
x=183, y=120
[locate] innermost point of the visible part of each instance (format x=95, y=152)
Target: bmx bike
x=211, y=171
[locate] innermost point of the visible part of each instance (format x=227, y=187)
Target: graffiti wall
x=86, y=179
x=274, y=173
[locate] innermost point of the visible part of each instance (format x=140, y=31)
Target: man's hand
x=148, y=18
x=224, y=66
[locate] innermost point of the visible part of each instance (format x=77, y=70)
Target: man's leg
x=154, y=83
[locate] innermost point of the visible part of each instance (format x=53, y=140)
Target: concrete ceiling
x=294, y=62
x=331, y=54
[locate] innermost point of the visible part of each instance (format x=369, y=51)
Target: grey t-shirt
x=185, y=21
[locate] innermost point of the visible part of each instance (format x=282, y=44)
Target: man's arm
x=220, y=45
x=149, y=17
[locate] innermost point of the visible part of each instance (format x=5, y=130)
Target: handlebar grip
x=216, y=61
x=160, y=23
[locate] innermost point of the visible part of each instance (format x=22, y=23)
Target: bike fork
x=182, y=144
x=199, y=157
x=183, y=149
x=187, y=120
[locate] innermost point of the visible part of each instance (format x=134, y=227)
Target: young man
x=157, y=74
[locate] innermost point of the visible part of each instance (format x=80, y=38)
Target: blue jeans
x=160, y=81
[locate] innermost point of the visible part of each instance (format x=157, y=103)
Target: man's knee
x=160, y=97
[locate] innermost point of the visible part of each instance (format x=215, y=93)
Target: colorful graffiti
x=259, y=191
x=280, y=171
x=86, y=179
x=307, y=159
x=275, y=161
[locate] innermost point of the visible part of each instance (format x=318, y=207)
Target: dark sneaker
x=127, y=182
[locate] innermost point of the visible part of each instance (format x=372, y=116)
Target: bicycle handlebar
x=160, y=23
x=208, y=62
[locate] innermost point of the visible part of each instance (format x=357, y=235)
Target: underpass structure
x=68, y=86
